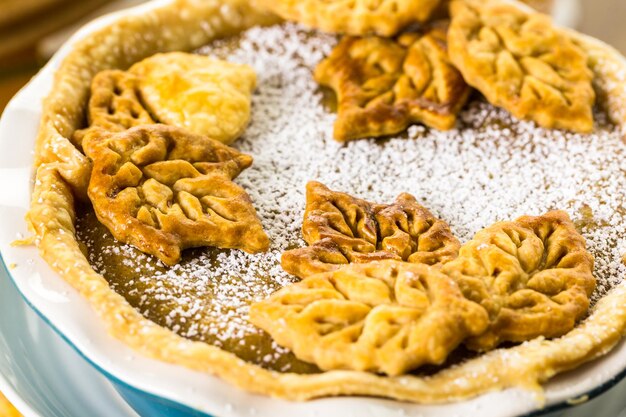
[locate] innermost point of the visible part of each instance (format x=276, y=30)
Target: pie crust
x=63, y=173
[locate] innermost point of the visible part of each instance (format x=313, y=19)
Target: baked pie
x=383, y=85
x=206, y=96
x=350, y=328
x=164, y=189
x=341, y=229
x=521, y=62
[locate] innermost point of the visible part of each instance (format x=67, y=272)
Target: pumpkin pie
x=527, y=290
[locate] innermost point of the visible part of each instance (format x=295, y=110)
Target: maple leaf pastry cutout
x=342, y=229
x=384, y=85
x=519, y=61
x=114, y=104
x=386, y=316
x=163, y=189
x=355, y=17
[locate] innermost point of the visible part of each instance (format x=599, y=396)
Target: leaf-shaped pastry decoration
x=384, y=85
x=7, y=409
x=533, y=276
x=163, y=189
x=521, y=62
x=355, y=17
x=513, y=282
x=114, y=104
x=385, y=316
x=205, y=95
x=342, y=229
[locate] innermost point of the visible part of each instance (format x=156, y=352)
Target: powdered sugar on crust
x=490, y=168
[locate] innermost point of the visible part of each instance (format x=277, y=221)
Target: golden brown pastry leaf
x=204, y=95
x=384, y=85
x=533, y=276
x=114, y=104
x=355, y=17
x=342, y=229
x=522, y=63
x=385, y=316
x=163, y=189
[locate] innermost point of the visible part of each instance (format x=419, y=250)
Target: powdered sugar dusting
x=491, y=168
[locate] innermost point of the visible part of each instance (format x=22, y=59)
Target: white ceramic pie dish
x=153, y=386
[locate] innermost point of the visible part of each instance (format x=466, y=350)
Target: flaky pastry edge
x=61, y=168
